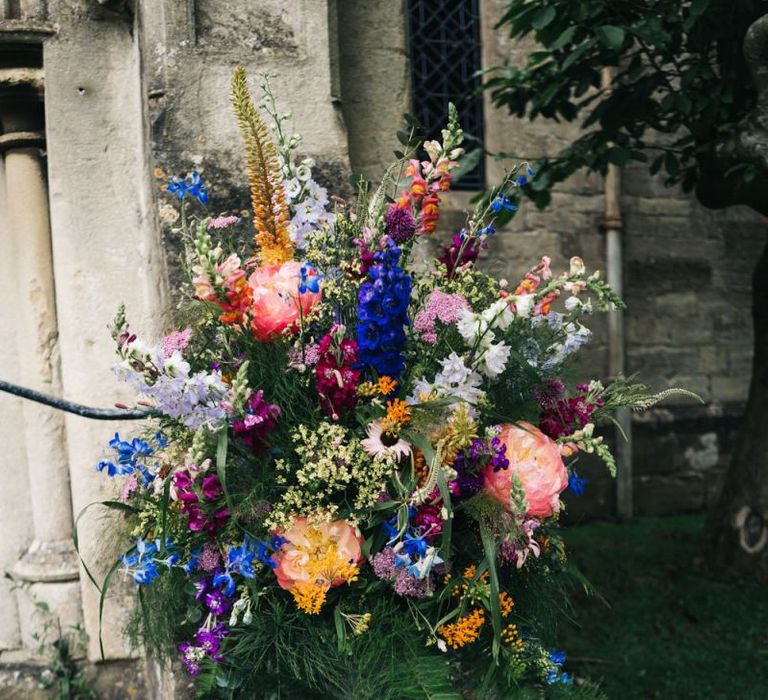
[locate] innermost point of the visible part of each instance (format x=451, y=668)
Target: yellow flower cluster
x=464, y=631
x=333, y=467
x=511, y=638
x=359, y=624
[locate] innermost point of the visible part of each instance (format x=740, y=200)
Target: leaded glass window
x=445, y=54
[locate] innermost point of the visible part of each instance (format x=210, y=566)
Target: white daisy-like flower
x=381, y=445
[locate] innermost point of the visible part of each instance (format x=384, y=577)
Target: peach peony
x=535, y=459
x=323, y=554
x=276, y=299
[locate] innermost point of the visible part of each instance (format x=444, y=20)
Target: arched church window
x=445, y=53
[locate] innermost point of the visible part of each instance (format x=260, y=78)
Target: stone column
x=48, y=570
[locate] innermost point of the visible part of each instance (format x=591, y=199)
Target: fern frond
x=270, y=211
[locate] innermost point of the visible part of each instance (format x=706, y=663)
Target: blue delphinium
x=132, y=457
x=192, y=185
x=383, y=313
x=555, y=673
x=143, y=561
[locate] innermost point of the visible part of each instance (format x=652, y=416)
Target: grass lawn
x=667, y=628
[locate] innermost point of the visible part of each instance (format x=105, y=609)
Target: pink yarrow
x=223, y=222
x=178, y=340
x=442, y=307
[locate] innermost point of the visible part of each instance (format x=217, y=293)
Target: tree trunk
x=738, y=525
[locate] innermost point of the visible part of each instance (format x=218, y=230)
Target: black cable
x=76, y=408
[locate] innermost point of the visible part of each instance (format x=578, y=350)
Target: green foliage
x=681, y=83
x=288, y=654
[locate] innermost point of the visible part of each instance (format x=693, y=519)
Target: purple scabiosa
x=399, y=223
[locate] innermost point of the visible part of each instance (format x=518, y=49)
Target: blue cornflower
x=502, y=202
x=140, y=562
x=390, y=527
x=487, y=231
x=309, y=279
x=194, y=561
x=522, y=180
x=415, y=545
x=160, y=440
x=577, y=483
x=197, y=188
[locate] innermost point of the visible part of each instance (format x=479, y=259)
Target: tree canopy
x=680, y=95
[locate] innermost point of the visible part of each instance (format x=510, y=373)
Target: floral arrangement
x=353, y=477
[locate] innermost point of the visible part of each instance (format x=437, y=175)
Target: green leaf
x=489, y=547
x=543, y=17
x=341, y=630
x=564, y=38
x=103, y=597
x=611, y=36
x=114, y=505
x=221, y=464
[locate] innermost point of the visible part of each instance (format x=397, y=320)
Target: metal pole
x=76, y=408
x=612, y=225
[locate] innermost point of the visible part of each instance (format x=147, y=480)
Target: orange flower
x=398, y=415
x=386, y=385
x=464, y=631
x=315, y=558
x=277, y=303
x=506, y=603
x=535, y=463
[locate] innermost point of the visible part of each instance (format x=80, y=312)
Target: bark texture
x=738, y=525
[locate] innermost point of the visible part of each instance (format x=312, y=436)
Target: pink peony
x=276, y=300
x=317, y=553
x=535, y=459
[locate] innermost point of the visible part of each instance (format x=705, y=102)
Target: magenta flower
x=211, y=487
